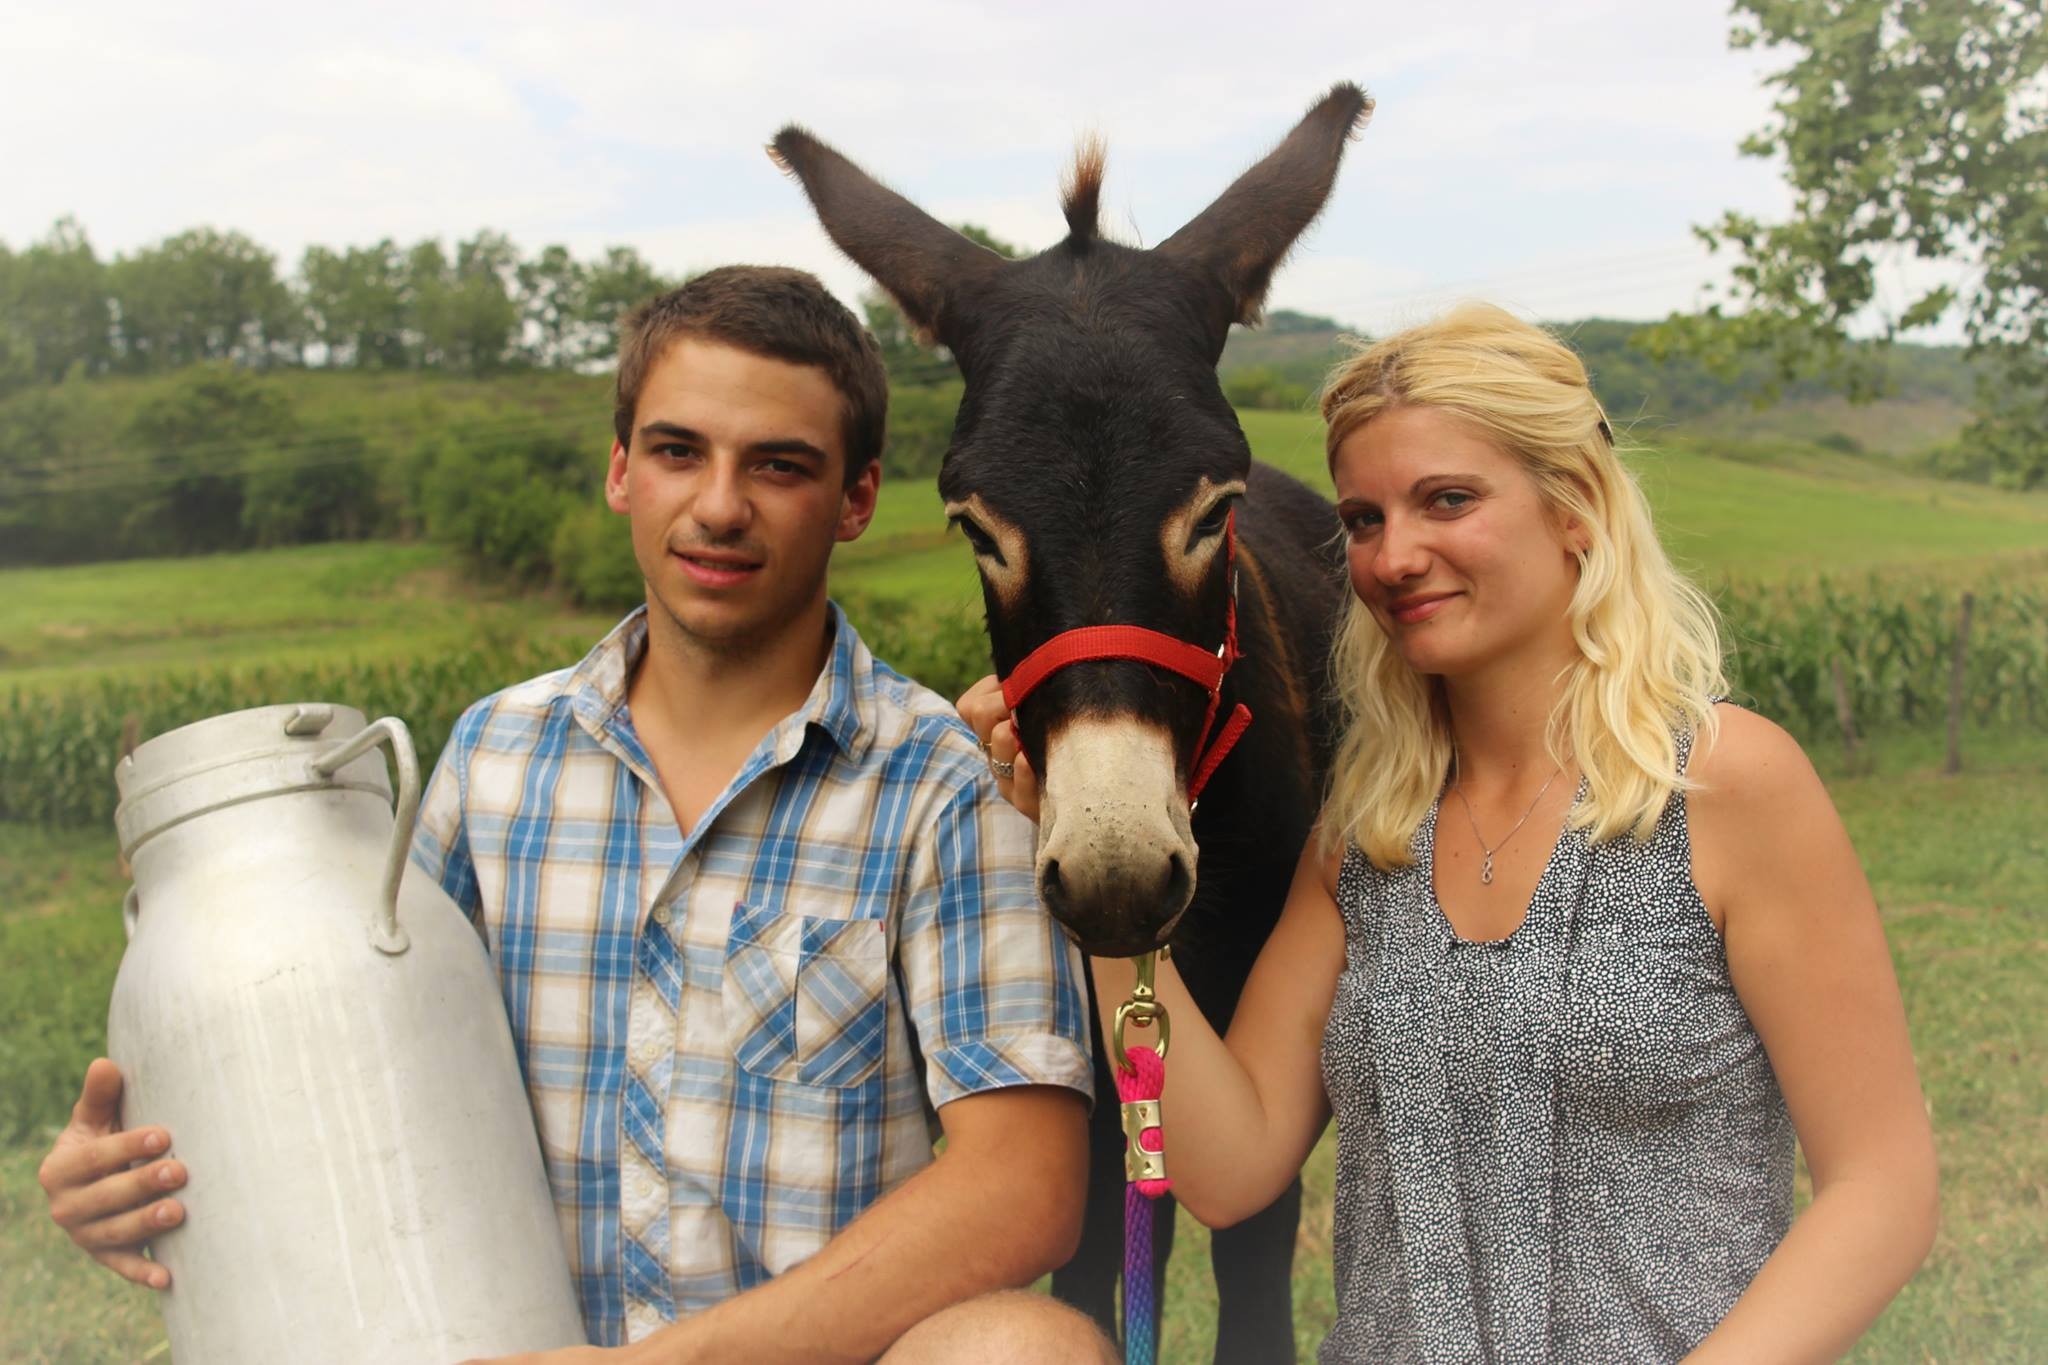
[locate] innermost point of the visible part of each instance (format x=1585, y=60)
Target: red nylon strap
x=1233, y=730
x=1089, y=643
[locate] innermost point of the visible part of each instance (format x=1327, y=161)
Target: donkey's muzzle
x=1122, y=910
x=1116, y=856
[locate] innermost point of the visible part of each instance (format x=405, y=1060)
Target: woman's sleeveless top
x=1566, y=1145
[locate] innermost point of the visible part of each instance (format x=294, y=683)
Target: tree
x=613, y=287
x=197, y=437
x=550, y=301
x=201, y=295
x=481, y=315
x=1906, y=126
x=356, y=304
x=55, y=304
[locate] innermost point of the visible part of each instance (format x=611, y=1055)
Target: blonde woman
x=1577, y=951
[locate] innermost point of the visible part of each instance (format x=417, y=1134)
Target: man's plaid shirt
x=735, y=1039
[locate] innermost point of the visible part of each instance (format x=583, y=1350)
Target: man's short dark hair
x=771, y=311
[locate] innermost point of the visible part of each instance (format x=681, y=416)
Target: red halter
x=1137, y=643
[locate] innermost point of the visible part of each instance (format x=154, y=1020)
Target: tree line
x=211, y=295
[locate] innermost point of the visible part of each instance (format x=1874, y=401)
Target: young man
x=755, y=906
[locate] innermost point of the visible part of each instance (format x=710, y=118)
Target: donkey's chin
x=1116, y=855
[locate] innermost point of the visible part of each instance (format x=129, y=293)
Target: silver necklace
x=1458, y=786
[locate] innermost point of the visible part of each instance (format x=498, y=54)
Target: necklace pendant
x=1486, y=871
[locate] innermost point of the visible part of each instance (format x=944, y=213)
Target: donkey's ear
x=1239, y=240
x=919, y=260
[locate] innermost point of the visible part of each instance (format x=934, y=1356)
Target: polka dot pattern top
x=1564, y=1145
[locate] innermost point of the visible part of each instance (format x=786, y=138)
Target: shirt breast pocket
x=806, y=996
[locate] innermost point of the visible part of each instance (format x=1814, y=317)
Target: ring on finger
x=1002, y=770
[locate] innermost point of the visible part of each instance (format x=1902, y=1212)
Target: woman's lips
x=1410, y=610
x=716, y=573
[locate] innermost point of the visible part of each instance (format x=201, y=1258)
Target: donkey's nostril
x=1051, y=890
x=1179, y=886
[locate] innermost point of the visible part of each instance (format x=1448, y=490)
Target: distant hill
x=1282, y=365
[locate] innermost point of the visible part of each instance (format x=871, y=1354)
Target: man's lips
x=716, y=568
x=1417, y=606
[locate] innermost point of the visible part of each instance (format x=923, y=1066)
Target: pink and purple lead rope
x=1144, y=1081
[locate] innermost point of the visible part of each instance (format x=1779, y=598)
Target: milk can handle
x=385, y=931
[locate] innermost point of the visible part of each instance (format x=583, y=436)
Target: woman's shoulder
x=1744, y=757
x=1753, y=803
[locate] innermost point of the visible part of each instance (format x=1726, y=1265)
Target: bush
x=946, y=651
x=1261, y=386
x=593, y=557
x=920, y=428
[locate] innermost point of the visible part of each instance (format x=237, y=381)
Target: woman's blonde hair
x=1648, y=640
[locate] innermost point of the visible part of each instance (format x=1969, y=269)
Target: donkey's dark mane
x=1081, y=188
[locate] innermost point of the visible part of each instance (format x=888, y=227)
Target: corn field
x=57, y=749
x=1895, y=645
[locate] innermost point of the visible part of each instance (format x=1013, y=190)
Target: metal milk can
x=325, y=1040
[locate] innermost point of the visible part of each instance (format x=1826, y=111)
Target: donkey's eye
x=983, y=543
x=1212, y=523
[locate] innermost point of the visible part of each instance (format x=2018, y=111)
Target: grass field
x=1960, y=867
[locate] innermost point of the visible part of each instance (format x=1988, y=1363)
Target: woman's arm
x=1240, y=1116
x=1809, y=962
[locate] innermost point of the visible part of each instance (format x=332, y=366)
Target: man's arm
x=999, y=1207
x=994, y=995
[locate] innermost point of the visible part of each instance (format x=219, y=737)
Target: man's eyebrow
x=671, y=429
x=787, y=445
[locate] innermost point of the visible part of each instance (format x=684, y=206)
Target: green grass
x=1733, y=518
x=1959, y=865
x=311, y=602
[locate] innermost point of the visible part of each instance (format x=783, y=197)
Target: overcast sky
x=1550, y=157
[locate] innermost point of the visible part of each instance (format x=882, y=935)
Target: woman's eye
x=1451, y=500
x=1361, y=523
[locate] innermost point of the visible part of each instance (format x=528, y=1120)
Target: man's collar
x=841, y=703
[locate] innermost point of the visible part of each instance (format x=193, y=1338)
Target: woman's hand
x=985, y=711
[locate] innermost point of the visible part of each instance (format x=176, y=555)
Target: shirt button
x=661, y=914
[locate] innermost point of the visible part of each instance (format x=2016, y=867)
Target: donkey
x=1102, y=479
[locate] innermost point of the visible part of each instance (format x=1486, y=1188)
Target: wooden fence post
x=1843, y=715
x=1955, y=688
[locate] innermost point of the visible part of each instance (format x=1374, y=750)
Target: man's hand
x=102, y=1200
x=985, y=711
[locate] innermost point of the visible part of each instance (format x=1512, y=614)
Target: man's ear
x=857, y=507
x=615, y=481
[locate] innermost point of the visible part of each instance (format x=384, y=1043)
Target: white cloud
x=1511, y=140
